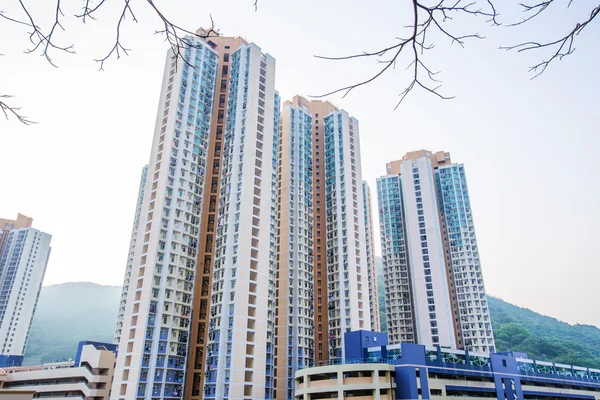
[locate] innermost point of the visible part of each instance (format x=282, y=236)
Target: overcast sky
x=530, y=147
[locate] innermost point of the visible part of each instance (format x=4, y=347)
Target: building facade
x=397, y=283
x=199, y=311
x=318, y=110
x=347, y=270
x=295, y=265
x=198, y=342
x=23, y=261
x=370, y=247
x=155, y=327
x=322, y=276
x=6, y=225
x=376, y=370
x=240, y=358
x=464, y=267
x=89, y=376
x=131, y=254
x=248, y=257
x=436, y=294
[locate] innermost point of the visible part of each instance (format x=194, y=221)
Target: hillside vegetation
x=523, y=330
x=71, y=312
x=68, y=313
x=543, y=338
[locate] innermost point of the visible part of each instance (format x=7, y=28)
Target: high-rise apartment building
x=153, y=346
x=24, y=254
x=347, y=270
x=397, y=283
x=197, y=368
x=434, y=287
x=248, y=257
x=318, y=110
x=469, y=299
x=241, y=334
x=322, y=267
x=295, y=265
x=199, y=312
x=370, y=246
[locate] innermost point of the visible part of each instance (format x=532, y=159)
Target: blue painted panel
x=10, y=361
x=461, y=372
x=424, y=383
x=413, y=354
x=356, y=343
x=406, y=383
x=470, y=389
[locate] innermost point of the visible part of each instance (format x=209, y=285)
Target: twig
x=564, y=45
x=44, y=41
x=178, y=37
x=7, y=110
x=536, y=9
x=118, y=47
x=87, y=11
x=425, y=18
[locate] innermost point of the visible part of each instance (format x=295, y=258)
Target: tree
x=427, y=19
x=43, y=39
x=431, y=17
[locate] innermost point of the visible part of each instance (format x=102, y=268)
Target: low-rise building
x=88, y=377
x=374, y=370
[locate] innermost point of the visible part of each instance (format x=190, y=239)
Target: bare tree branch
x=535, y=10
x=44, y=41
x=178, y=37
x=3, y=15
x=88, y=11
x=118, y=47
x=425, y=19
x=11, y=110
x=563, y=46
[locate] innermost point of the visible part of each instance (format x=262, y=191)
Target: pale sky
x=530, y=148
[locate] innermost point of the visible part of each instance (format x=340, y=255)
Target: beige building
x=88, y=377
x=200, y=315
x=346, y=381
x=21, y=222
x=197, y=320
x=382, y=381
x=6, y=225
x=435, y=294
x=323, y=268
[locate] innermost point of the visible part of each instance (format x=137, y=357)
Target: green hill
x=71, y=312
x=523, y=330
x=68, y=313
x=542, y=337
